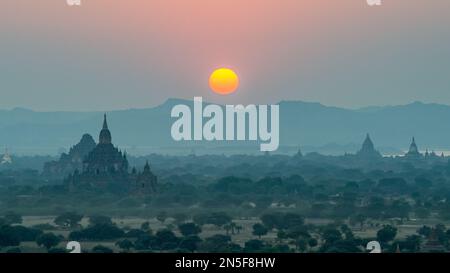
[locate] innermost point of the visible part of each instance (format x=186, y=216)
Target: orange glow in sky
x=312, y=50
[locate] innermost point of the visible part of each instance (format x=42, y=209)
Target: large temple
x=413, y=150
x=105, y=159
x=368, y=149
x=106, y=166
x=69, y=162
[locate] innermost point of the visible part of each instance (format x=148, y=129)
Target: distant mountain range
x=302, y=124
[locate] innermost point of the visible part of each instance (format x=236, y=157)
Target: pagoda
x=6, y=159
x=105, y=158
x=413, y=150
x=368, y=149
x=105, y=166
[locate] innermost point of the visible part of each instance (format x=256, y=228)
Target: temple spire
x=413, y=149
x=368, y=149
x=368, y=142
x=105, y=134
x=147, y=167
x=105, y=123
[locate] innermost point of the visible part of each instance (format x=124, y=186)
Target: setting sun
x=224, y=81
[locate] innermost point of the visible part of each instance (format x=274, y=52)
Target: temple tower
x=105, y=134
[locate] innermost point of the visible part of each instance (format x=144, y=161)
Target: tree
x=12, y=218
x=233, y=227
x=227, y=228
x=125, y=244
x=188, y=229
x=412, y=243
x=98, y=232
x=291, y=220
x=219, y=219
x=48, y=240
x=422, y=212
x=145, y=226
x=101, y=249
x=166, y=239
x=68, y=220
x=259, y=230
x=22, y=233
x=272, y=220
x=376, y=207
x=57, y=250
x=331, y=235
x=423, y=182
x=313, y=242
x=216, y=243
x=343, y=246
x=281, y=235
x=14, y=250
x=253, y=246
x=359, y=219
x=400, y=208
x=347, y=232
x=200, y=219
x=282, y=220
x=162, y=216
x=297, y=231
x=190, y=243
x=100, y=220
x=145, y=242
x=8, y=238
x=238, y=229
x=180, y=218
x=135, y=233
x=301, y=244
x=386, y=234
x=425, y=231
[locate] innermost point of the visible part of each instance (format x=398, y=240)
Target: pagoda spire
x=413, y=149
x=105, y=123
x=368, y=149
x=368, y=142
x=147, y=167
x=105, y=134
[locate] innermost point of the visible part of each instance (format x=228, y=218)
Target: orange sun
x=224, y=81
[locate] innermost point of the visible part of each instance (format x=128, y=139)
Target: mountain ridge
x=173, y=101
x=301, y=124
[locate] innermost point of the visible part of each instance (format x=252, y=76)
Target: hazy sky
x=115, y=54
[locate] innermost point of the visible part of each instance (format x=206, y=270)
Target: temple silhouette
x=368, y=153
x=105, y=166
x=69, y=162
x=368, y=149
x=105, y=159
